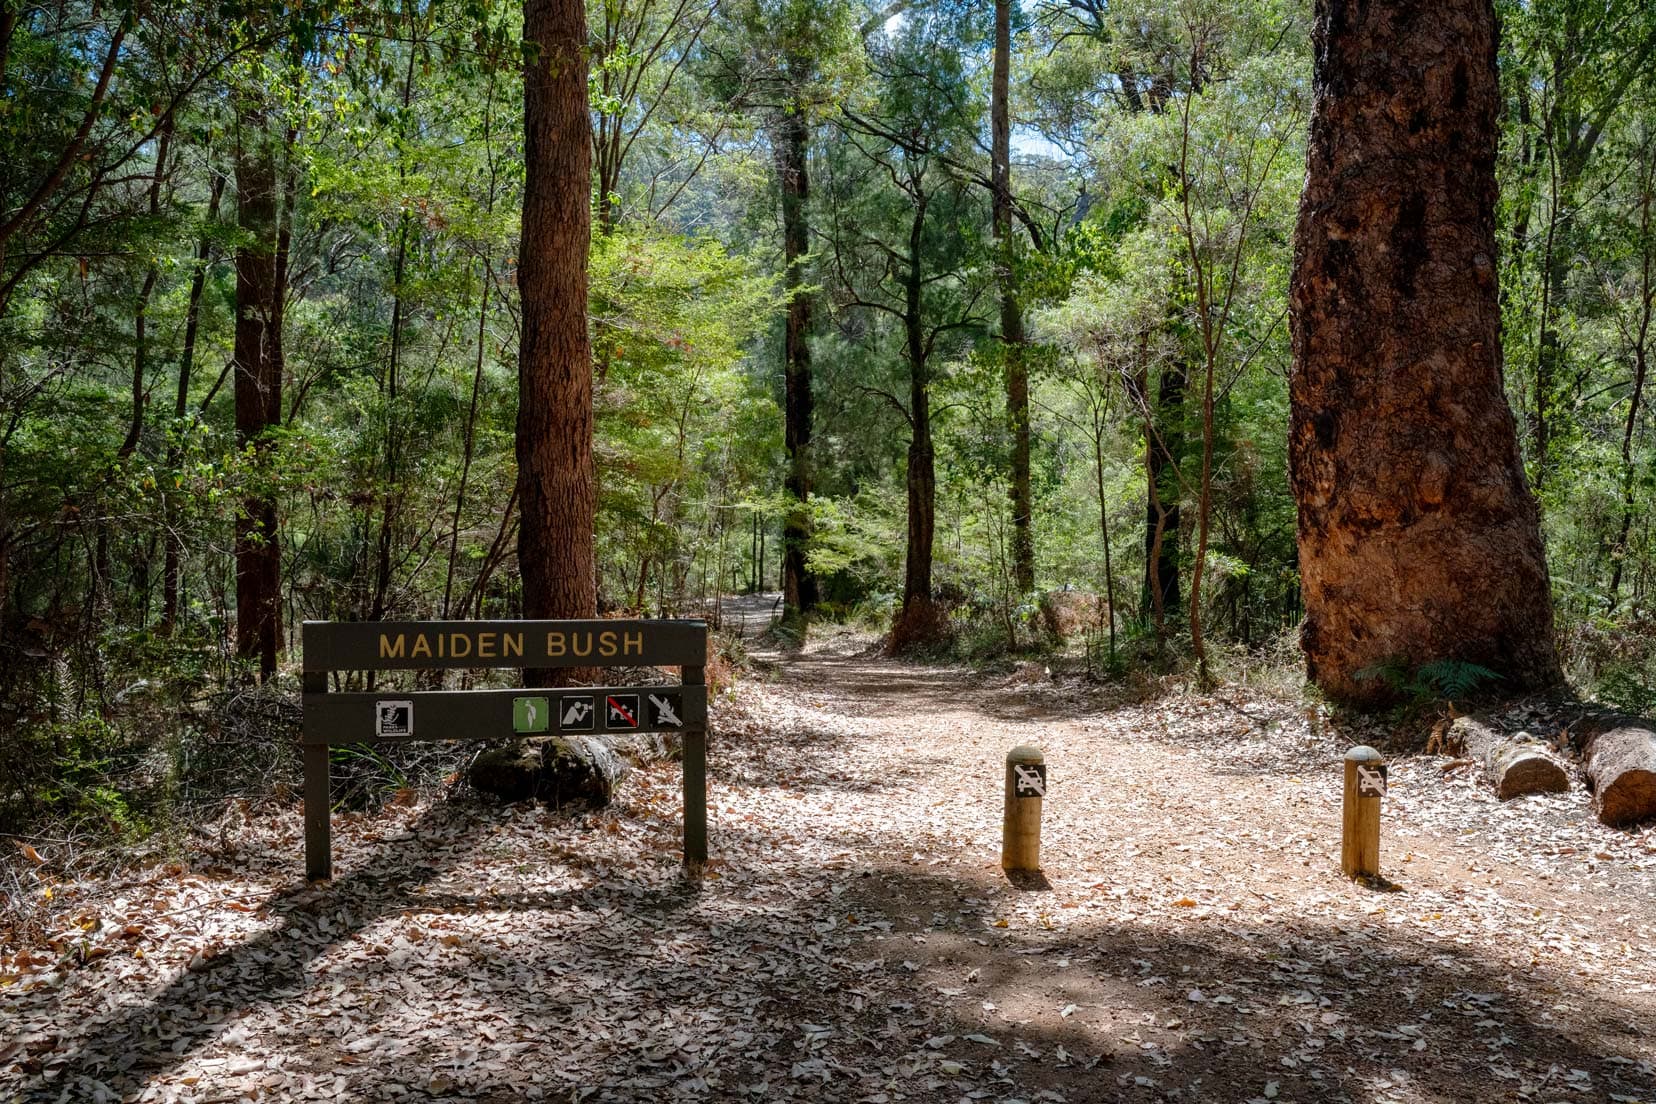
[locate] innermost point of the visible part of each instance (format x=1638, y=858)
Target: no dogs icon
x=622, y=711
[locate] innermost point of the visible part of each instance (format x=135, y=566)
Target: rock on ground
x=558, y=770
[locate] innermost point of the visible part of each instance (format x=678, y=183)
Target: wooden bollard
x=1021, y=824
x=1365, y=786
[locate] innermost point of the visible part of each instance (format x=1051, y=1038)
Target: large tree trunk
x=799, y=590
x=258, y=383
x=554, y=430
x=1418, y=536
x=1011, y=312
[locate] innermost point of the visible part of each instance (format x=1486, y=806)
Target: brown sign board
x=419, y=645
x=332, y=719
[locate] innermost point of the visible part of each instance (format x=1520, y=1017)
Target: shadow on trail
x=796, y=978
x=1327, y=1013
x=276, y=966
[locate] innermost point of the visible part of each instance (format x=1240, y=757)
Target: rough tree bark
x=1418, y=535
x=799, y=588
x=554, y=430
x=257, y=360
x=1011, y=312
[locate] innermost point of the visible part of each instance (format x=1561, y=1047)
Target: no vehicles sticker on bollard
x=394, y=718
x=1029, y=781
x=1371, y=781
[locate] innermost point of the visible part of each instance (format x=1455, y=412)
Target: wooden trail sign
x=396, y=715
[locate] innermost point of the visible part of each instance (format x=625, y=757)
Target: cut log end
x=1514, y=764
x=1621, y=767
x=1521, y=770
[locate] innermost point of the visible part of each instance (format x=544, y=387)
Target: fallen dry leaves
x=854, y=939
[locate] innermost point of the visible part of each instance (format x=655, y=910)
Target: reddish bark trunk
x=920, y=620
x=1011, y=311
x=799, y=589
x=554, y=431
x=257, y=364
x=1418, y=535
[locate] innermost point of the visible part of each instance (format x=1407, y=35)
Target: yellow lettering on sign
x=455, y=642
x=422, y=647
x=606, y=643
x=391, y=649
x=632, y=644
x=485, y=645
x=511, y=644
x=580, y=651
x=554, y=644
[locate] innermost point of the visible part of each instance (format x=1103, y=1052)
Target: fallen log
x=1514, y=763
x=1620, y=758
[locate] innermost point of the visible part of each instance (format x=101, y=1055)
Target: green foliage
x=1158, y=155
x=1437, y=680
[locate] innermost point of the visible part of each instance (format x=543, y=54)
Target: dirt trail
x=855, y=940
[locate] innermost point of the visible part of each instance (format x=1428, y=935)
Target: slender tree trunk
x=1418, y=536
x=1011, y=312
x=917, y=620
x=392, y=397
x=174, y=552
x=1098, y=430
x=258, y=383
x=554, y=431
x=140, y=319
x=1641, y=364
x=470, y=444
x=1549, y=353
x=1163, y=446
x=799, y=586
x=392, y=495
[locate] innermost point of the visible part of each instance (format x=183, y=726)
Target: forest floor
x=854, y=938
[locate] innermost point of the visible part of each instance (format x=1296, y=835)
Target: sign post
x=1365, y=786
x=1026, y=781
x=357, y=717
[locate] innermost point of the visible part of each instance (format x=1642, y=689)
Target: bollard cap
x=1025, y=753
x=1364, y=754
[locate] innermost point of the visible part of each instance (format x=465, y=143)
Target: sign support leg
x=695, y=784
x=318, y=832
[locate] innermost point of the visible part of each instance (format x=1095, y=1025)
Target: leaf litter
x=854, y=938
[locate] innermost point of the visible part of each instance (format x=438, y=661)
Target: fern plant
x=1438, y=680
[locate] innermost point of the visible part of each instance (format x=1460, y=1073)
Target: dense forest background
x=915, y=337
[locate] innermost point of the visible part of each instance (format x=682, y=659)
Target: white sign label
x=1029, y=780
x=393, y=718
